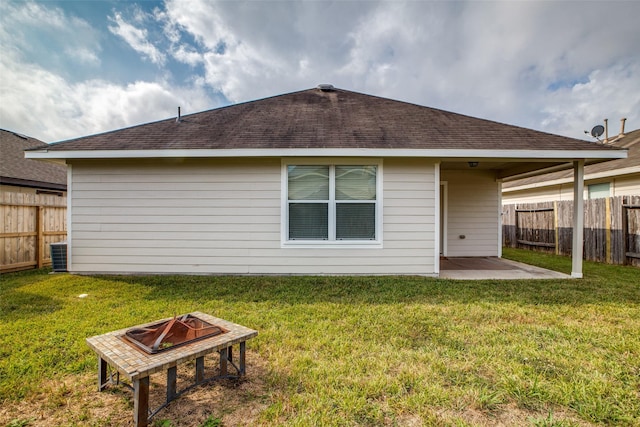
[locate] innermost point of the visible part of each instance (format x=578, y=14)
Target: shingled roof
x=326, y=119
x=16, y=170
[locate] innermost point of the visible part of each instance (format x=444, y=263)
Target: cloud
x=56, y=109
x=501, y=61
x=46, y=102
x=251, y=50
x=226, y=70
x=554, y=66
x=607, y=91
x=35, y=33
x=136, y=38
x=83, y=55
x=187, y=55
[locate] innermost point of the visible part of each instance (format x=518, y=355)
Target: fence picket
x=611, y=228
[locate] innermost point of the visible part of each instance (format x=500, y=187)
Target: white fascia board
x=331, y=152
x=587, y=177
x=52, y=160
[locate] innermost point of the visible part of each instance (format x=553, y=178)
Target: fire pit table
x=140, y=351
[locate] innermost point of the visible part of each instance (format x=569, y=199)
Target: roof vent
x=622, y=120
x=326, y=87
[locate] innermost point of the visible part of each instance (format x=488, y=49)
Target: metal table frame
x=137, y=366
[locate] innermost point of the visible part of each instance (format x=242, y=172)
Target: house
x=21, y=175
x=619, y=177
x=320, y=181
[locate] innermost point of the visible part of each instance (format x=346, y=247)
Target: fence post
x=40, y=236
x=625, y=230
x=555, y=225
x=607, y=216
x=517, y=227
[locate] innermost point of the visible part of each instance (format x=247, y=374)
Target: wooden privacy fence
x=611, y=228
x=29, y=223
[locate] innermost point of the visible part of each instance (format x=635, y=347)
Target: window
x=597, y=191
x=332, y=203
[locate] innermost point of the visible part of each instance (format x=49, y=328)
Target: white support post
x=499, y=218
x=578, y=219
x=436, y=219
x=70, y=196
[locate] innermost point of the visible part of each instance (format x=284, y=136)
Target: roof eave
x=19, y=182
x=607, y=154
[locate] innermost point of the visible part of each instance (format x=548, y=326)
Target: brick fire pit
x=116, y=350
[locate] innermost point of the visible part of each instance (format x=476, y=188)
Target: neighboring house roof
x=15, y=169
x=333, y=122
x=630, y=165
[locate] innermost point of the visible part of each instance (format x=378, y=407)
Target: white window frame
x=284, y=226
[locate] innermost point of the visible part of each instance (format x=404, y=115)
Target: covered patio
x=470, y=216
x=492, y=268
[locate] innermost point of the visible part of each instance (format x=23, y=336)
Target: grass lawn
x=343, y=351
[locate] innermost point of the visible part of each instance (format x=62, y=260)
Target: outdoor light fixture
x=473, y=164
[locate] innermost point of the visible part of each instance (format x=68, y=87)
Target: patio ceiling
x=511, y=169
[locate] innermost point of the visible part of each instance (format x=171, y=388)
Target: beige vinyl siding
x=472, y=211
x=224, y=217
x=620, y=186
x=409, y=215
x=542, y=194
x=626, y=186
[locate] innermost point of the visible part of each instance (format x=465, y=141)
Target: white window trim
x=324, y=244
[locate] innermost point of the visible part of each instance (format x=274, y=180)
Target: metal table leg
x=242, y=359
x=172, y=390
x=102, y=373
x=199, y=370
x=224, y=354
x=141, y=402
x=140, y=387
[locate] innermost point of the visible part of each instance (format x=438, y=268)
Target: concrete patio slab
x=481, y=268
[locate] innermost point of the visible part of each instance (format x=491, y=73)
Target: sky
x=76, y=68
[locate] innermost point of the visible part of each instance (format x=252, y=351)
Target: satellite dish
x=597, y=131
